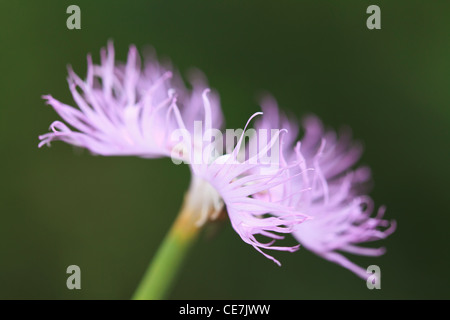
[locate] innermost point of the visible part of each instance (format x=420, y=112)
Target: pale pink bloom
x=125, y=109
x=226, y=181
x=334, y=192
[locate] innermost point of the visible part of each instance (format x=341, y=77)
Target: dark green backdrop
x=108, y=215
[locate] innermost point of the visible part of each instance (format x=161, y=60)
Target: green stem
x=162, y=271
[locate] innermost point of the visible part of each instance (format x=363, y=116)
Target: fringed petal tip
x=47, y=98
x=277, y=262
x=43, y=142
x=119, y=106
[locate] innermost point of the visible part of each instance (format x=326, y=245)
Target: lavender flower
x=123, y=110
x=311, y=191
x=227, y=181
x=334, y=192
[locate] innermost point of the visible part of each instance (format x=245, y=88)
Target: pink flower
x=308, y=188
x=123, y=109
x=334, y=192
x=227, y=181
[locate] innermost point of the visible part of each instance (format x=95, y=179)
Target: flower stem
x=162, y=271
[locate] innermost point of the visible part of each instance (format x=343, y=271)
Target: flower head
x=227, y=181
x=307, y=188
x=334, y=194
x=126, y=109
x=123, y=109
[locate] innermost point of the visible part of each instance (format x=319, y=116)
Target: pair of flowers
x=311, y=190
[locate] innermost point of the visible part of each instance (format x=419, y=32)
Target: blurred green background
x=60, y=207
